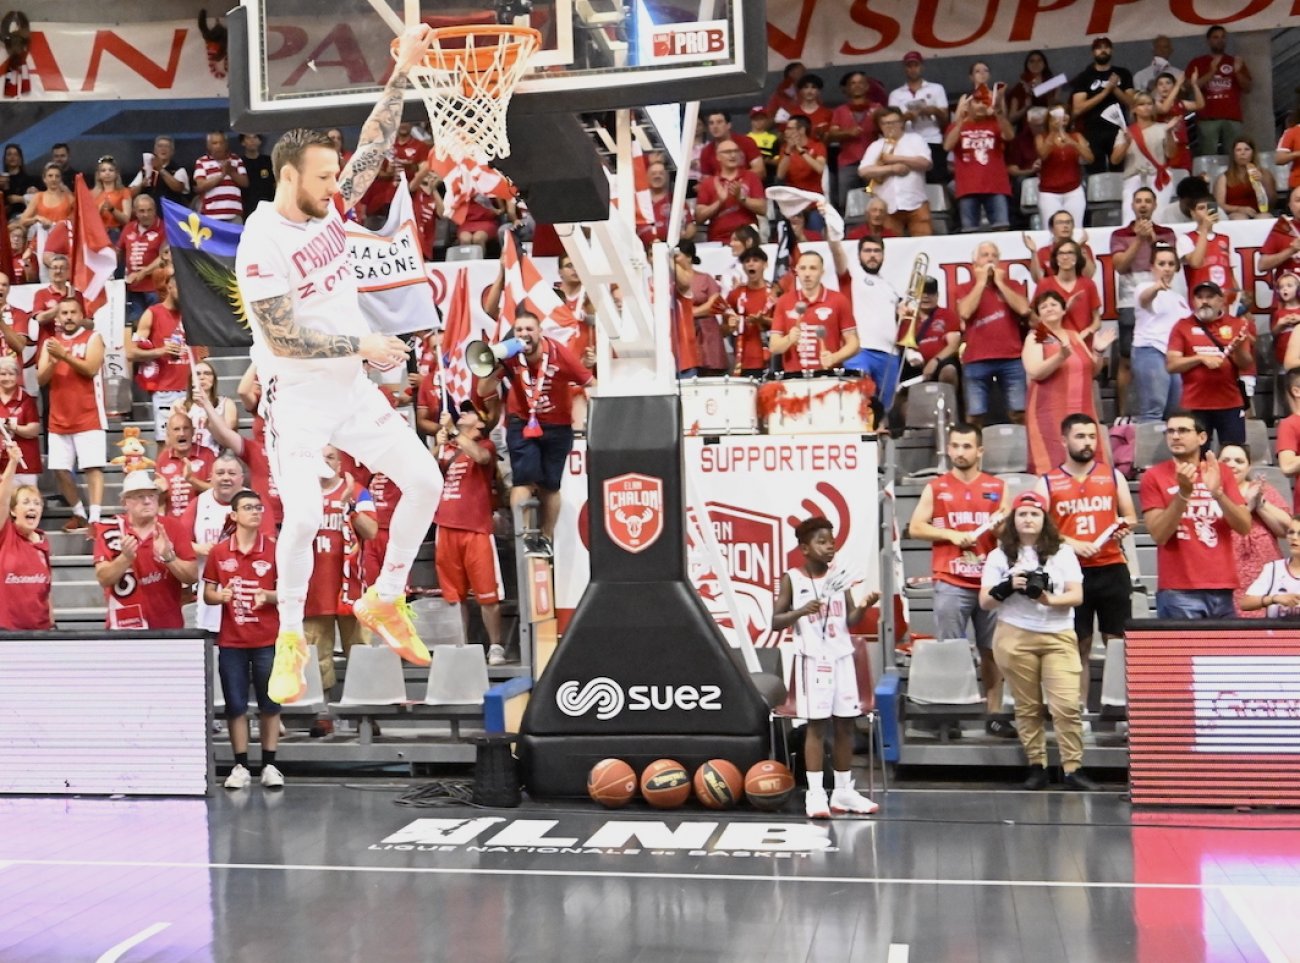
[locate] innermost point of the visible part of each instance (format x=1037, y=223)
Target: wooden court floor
x=329, y=871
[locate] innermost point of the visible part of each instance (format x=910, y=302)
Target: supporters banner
x=169, y=59
x=756, y=489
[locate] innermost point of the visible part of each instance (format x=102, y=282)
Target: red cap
x=759, y=111
x=1032, y=499
x=913, y=55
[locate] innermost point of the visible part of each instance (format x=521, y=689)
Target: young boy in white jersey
x=817, y=602
x=309, y=342
x=1276, y=590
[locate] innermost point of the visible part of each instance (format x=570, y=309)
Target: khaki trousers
x=319, y=630
x=1038, y=662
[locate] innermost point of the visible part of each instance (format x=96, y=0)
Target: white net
x=466, y=82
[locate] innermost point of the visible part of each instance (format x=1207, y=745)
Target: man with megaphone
x=538, y=375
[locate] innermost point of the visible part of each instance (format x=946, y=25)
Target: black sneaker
x=534, y=546
x=1079, y=781
x=1001, y=729
x=1037, y=780
x=954, y=730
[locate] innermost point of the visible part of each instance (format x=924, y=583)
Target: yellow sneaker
x=288, y=681
x=394, y=623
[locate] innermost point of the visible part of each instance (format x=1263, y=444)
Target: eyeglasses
x=252, y=508
x=1180, y=431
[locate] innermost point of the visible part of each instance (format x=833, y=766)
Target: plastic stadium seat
x=1029, y=194
x=942, y=672
x=1018, y=482
x=1149, y=444
x=1261, y=452
x=465, y=252
x=1105, y=192
x=457, y=676
x=1210, y=166
x=1113, y=690
x=1006, y=449
x=1275, y=477
x=922, y=404
x=940, y=214
x=437, y=622
x=374, y=677
x=855, y=207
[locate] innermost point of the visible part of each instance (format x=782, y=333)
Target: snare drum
x=813, y=406
x=719, y=406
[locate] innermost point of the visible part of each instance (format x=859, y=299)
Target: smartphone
x=1212, y=207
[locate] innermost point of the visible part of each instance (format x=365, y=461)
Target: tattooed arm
x=381, y=126
x=288, y=339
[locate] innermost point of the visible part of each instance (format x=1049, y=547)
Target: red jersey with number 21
x=963, y=507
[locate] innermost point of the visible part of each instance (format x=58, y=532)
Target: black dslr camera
x=1037, y=583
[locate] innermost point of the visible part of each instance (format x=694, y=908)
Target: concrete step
x=76, y=594
x=81, y=617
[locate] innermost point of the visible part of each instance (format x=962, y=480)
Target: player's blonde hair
x=290, y=148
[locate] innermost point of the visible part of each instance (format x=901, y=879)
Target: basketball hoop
x=466, y=81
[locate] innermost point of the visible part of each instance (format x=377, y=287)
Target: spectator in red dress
x=25, y=604
x=1223, y=80
x=1245, y=190
x=731, y=198
x=719, y=127
x=1191, y=507
x=161, y=356
x=1174, y=102
x=977, y=137
x=69, y=365
x=183, y=470
x=142, y=243
x=21, y=421
x=706, y=308
x=813, y=327
x=219, y=181
x=240, y=578
x=539, y=419
x=143, y=561
x=466, y=555
x=1209, y=350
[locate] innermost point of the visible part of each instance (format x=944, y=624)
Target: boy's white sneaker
x=850, y=802
x=239, y=778
x=816, y=805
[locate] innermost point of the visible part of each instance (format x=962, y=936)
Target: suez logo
x=691, y=42
x=607, y=697
x=623, y=837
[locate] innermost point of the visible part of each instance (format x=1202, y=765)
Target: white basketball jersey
x=822, y=636
x=309, y=262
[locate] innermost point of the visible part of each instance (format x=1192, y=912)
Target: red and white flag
x=463, y=180
x=526, y=286
x=458, y=382
x=93, y=258
x=645, y=206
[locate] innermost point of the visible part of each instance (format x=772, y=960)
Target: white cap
x=138, y=481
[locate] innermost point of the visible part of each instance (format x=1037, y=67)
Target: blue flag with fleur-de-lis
x=203, y=254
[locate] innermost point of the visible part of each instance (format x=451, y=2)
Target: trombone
x=912, y=299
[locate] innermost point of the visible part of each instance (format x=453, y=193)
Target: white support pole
x=624, y=175
x=679, y=183
x=390, y=17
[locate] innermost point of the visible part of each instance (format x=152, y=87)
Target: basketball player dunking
x=309, y=342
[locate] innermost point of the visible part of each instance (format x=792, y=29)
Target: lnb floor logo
x=602, y=694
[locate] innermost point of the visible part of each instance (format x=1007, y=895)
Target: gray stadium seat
x=922, y=404
x=1105, y=192
x=1029, y=195
x=1210, y=166
x=465, y=252
x=1261, y=452
x=940, y=212
x=1149, y=445
x=1006, y=449
x=855, y=207
x=1018, y=482
x=1275, y=477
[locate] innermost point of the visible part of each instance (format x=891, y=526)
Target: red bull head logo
x=634, y=511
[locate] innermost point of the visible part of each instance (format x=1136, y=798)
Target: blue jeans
x=994, y=207
x=978, y=378
x=1194, y=604
x=137, y=302
x=236, y=668
x=1158, y=391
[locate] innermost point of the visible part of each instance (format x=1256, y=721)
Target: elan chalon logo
x=608, y=699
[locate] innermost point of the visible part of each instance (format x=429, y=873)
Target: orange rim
x=445, y=53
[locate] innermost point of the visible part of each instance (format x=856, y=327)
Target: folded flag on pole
x=93, y=257
x=526, y=286
x=463, y=180
x=458, y=382
x=203, y=255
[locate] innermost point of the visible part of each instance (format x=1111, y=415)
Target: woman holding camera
x=1033, y=582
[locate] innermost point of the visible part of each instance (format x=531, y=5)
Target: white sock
x=94, y=513
x=79, y=509
x=816, y=781
x=843, y=780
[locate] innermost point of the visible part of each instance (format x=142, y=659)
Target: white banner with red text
x=169, y=59
x=756, y=489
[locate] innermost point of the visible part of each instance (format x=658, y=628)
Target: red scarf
x=1162, y=172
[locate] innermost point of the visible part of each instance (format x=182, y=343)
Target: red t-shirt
x=141, y=246
x=1222, y=91
x=993, y=331
x=1291, y=141
x=820, y=117
x=1085, y=507
x=48, y=297
x=749, y=302
x=1205, y=389
x=979, y=164
x=686, y=346
x=830, y=311
x=1199, y=554
x=171, y=468
x=1216, y=267
x=1060, y=172
x=262, y=481
x=466, y=502
x=25, y=597
x=1086, y=300
x=963, y=507
x=733, y=214
x=148, y=595
x=22, y=408
x=846, y=117
x=1288, y=439
x=554, y=401
x=165, y=373
x=76, y=403
x=709, y=154
x=244, y=624
x=337, y=550
x=800, y=174
x=932, y=332
x=22, y=323
x=1044, y=254
x=1285, y=231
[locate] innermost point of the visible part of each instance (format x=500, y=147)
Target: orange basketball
x=718, y=785
x=769, y=785
x=612, y=783
x=665, y=784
